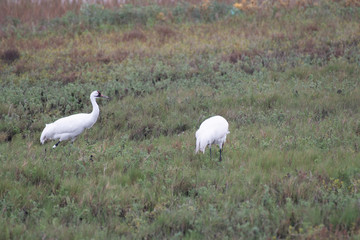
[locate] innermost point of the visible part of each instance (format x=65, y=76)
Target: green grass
x=287, y=81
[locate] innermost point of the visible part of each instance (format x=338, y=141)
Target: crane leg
x=210, y=152
x=56, y=144
x=220, y=156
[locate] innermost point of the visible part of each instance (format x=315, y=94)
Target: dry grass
x=35, y=11
x=134, y=35
x=238, y=46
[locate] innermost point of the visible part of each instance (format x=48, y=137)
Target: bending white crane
x=70, y=127
x=212, y=131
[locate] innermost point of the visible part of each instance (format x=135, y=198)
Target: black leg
x=44, y=153
x=56, y=144
x=210, y=152
x=220, y=156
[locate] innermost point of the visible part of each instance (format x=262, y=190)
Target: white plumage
x=70, y=127
x=212, y=131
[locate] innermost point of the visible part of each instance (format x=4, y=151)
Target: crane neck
x=95, y=112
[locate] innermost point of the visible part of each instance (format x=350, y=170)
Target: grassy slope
x=287, y=81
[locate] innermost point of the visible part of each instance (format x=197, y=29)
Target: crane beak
x=103, y=96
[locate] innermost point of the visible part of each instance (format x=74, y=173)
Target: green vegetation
x=285, y=77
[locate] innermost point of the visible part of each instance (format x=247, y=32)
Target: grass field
x=285, y=74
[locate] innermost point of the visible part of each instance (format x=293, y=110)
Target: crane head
x=99, y=95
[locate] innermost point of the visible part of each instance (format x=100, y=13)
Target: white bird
x=212, y=131
x=70, y=127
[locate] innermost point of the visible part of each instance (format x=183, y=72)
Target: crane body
x=70, y=127
x=212, y=131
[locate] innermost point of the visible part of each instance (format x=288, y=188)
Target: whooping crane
x=212, y=131
x=70, y=127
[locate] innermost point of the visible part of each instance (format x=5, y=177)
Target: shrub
x=10, y=55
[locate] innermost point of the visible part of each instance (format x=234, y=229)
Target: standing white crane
x=70, y=127
x=212, y=131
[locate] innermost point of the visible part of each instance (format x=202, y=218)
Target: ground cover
x=285, y=75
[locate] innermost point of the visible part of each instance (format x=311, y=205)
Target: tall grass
x=284, y=76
